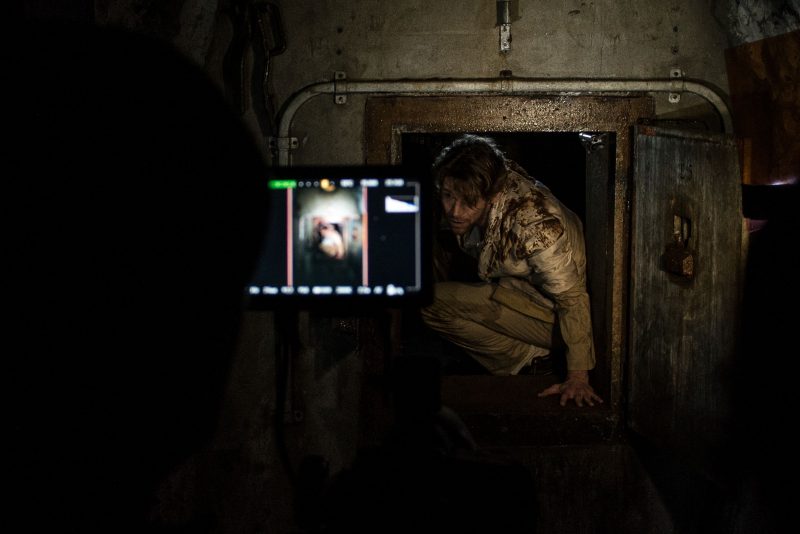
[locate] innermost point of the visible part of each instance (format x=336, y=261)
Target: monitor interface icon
x=335, y=235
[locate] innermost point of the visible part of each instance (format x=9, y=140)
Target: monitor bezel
x=355, y=304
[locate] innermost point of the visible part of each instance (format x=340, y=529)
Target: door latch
x=678, y=258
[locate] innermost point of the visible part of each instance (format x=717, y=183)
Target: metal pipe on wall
x=493, y=86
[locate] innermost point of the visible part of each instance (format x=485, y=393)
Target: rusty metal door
x=686, y=232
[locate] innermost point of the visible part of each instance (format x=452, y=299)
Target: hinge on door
x=592, y=142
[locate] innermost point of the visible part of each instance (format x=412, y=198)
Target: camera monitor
x=347, y=238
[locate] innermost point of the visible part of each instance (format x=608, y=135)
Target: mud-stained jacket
x=533, y=249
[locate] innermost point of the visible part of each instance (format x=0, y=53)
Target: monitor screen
x=344, y=236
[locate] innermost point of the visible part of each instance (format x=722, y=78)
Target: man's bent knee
x=457, y=299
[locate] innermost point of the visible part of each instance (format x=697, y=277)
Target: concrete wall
x=418, y=39
x=367, y=39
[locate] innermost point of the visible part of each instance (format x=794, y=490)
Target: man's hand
x=576, y=387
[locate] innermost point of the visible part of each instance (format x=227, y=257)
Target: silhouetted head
x=138, y=210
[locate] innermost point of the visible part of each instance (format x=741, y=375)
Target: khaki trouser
x=500, y=338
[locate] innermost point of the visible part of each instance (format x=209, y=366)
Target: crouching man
x=530, y=255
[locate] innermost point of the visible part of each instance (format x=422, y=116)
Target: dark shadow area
x=764, y=393
x=694, y=502
x=335, y=338
x=138, y=205
x=427, y=474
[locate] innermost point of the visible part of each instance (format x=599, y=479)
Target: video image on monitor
x=328, y=238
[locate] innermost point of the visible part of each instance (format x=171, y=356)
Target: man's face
x=461, y=216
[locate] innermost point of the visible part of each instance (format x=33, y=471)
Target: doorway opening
x=580, y=148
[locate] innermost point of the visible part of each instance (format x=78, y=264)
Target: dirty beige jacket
x=533, y=249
